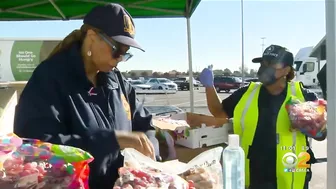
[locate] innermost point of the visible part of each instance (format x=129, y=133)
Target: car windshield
x=136, y=82
x=163, y=80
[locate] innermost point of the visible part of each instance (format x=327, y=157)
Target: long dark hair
x=75, y=36
x=290, y=75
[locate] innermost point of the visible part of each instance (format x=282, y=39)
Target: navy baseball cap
x=115, y=22
x=276, y=54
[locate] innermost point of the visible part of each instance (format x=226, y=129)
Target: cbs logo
x=290, y=160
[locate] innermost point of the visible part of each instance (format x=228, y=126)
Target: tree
x=227, y=72
x=236, y=73
x=133, y=74
x=173, y=73
x=166, y=75
x=195, y=74
x=144, y=74
x=253, y=73
x=246, y=70
x=156, y=74
x=218, y=72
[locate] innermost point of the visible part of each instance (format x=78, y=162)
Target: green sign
x=26, y=55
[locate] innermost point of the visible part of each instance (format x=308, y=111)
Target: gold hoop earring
x=89, y=53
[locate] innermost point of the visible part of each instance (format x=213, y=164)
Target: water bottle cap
x=234, y=140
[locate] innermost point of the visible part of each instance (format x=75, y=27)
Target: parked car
x=161, y=84
x=226, y=83
x=241, y=80
x=249, y=80
x=138, y=84
x=183, y=83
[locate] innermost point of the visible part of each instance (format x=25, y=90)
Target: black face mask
x=266, y=75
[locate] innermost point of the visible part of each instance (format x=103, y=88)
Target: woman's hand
x=206, y=77
x=136, y=140
x=200, y=178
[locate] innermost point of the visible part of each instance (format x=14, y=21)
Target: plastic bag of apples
x=308, y=117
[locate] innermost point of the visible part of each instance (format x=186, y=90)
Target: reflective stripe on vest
x=245, y=122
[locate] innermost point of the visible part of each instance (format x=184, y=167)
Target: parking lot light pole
x=242, y=39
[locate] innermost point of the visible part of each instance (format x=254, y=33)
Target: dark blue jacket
x=56, y=106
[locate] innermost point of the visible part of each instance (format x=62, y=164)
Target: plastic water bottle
x=234, y=165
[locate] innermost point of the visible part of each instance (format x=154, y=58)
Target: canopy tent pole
x=331, y=91
x=191, y=77
x=191, y=73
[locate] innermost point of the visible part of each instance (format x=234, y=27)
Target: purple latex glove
x=206, y=77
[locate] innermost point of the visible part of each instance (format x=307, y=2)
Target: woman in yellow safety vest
x=261, y=121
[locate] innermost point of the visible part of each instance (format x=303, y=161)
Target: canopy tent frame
x=139, y=5
x=190, y=6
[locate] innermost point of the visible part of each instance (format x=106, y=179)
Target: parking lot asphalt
x=182, y=100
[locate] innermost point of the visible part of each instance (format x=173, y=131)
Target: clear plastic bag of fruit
x=141, y=172
x=308, y=117
x=32, y=164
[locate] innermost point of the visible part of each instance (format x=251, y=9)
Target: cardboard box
x=169, y=151
x=204, y=130
x=8, y=102
x=184, y=154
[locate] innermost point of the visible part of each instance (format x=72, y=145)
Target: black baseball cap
x=115, y=22
x=276, y=54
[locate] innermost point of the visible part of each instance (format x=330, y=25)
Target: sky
x=215, y=33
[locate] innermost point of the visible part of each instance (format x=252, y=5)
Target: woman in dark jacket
x=77, y=97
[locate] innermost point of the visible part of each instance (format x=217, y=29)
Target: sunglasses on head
x=116, y=51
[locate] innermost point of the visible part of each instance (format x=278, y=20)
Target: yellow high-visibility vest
x=245, y=122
